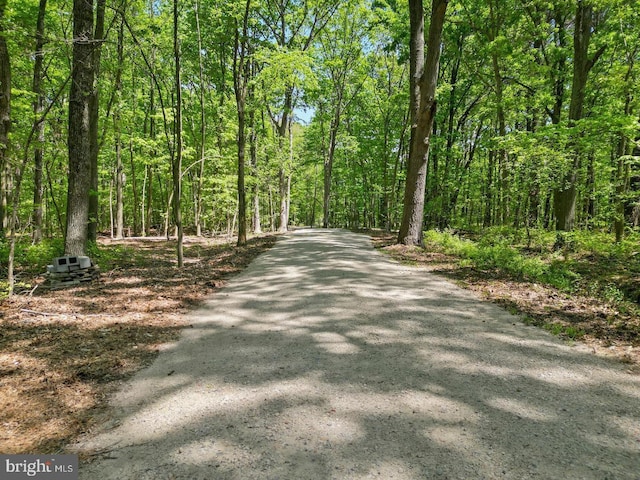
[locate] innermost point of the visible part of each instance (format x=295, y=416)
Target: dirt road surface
x=326, y=360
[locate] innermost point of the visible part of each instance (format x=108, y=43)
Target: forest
x=154, y=117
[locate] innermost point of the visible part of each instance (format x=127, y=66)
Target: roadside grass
x=584, y=263
x=63, y=352
x=580, y=286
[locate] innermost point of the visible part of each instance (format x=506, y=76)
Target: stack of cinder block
x=71, y=270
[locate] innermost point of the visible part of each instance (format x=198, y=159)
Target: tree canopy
x=536, y=125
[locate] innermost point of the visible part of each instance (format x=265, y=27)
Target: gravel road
x=326, y=360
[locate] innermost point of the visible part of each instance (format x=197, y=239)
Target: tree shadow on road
x=324, y=360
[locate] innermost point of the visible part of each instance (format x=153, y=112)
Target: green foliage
x=495, y=160
x=495, y=253
x=110, y=256
x=563, y=330
x=596, y=267
x=30, y=257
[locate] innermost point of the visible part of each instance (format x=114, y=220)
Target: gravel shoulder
x=326, y=360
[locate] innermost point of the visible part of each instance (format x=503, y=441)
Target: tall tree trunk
x=119, y=182
x=501, y=193
x=253, y=152
x=82, y=85
x=94, y=103
x=501, y=153
x=312, y=220
x=424, y=78
x=558, y=69
x=625, y=147
x=283, y=218
x=328, y=165
x=134, y=189
x=241, y=72
x=38, y=105
x=117, y=128
x=148, y=202
x=487, y=220
x=177, y=160
x=282, y=130
x=443, y=187
x=5, y=125
x=149, y=167
x=5, y=119
x=564, y=196
x=411, y=226
x=203, y=127
x=395, y=185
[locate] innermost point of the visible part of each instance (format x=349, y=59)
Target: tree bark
x=328, y=165
x=625, y=147
x=501, y=153
x=82, y=85
x=134, y=189
x=117, y=130
x=38, y=105
x=564, y=198
x=177, y=160
x=119, y=184
x=93, y=120
x=240, y=82
x=203, y=126
x=149, y=168
x=253, y=152
x=283, y=128
x=424, y=77
x=5, y=120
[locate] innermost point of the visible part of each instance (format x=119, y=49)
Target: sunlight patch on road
x=335, y=343
x=377, y=335
x=563, y=377
x=435, y=406
x=519, y=341
x=632, y=389
x=222, y=452
x=314, y=427
x=521, y=409
x=208, y=398
x=456, y=438
x=398, y=470
x=629, y=427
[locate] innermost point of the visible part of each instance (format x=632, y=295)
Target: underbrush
x=582, y=286
x=587, y=263
x=31, y=260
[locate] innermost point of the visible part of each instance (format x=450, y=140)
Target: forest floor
x=62, y=352
x=326, y=360
x=609, y=331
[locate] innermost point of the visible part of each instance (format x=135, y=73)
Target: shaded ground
x=607, y=330
x=325, y=360
x=63, y=352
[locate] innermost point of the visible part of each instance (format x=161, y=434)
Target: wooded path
x=326, y=360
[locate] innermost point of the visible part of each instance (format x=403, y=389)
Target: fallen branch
x=47, y=314
x=44, y=314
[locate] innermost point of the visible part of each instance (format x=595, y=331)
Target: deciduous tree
x=424, y=79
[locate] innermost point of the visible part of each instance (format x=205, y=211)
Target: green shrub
x=29, y=257
x=496, y=253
